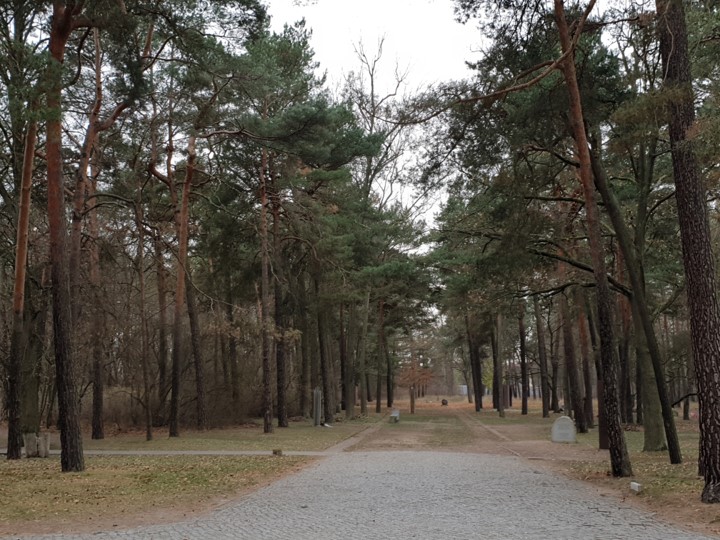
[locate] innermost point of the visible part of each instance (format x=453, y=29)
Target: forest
x=196, y=231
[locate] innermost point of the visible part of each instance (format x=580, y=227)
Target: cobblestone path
x=415, y=495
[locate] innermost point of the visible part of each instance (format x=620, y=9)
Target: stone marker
x=36, y=445
x=44, y=445
x=563, y=430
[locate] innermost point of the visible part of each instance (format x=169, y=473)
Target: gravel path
x=421, y=495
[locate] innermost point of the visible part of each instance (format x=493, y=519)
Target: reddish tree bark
x=619, y=458
x=19, y=335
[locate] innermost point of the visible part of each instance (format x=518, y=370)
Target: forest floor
x=138, y=488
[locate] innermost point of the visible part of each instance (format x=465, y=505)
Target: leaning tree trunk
x=619, y=458
x=695, y=239
x=633, y=265
x=653, y=433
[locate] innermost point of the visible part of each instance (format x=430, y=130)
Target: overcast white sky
x=421, y=36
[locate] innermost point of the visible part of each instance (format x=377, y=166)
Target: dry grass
x=299, y=436
x=37, y=498
x=114, y=490
x=128, y=490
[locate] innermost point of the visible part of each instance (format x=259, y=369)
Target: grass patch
x=33, y=490
x=661, y=481
x=300, y=436
x=437, y=431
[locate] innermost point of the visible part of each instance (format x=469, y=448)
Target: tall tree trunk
x=182, y=223
x=36, y=311
x=231, y=375
x=280, y=304
x=162, y=356
x=328, y=383
x=19, y=337
x=524, y=382
x=695, y=239
x=265, y=329
x=626, y=401
x=653, y=433
x=571, y=366
x=555, y=375
x=362, y=355
x=542, y=358
x=497, y=391
x=587, y=368
x=380, y=356
x=619, y=458
x=342, y=348
x=498, y=365
x=200, y=397
x=389, y=377
x=603, y=439
x=98, y=322
x=145, y=347
x=71, y=458
x=305, y=348
x=475, y=366
x=633, y=263
x=352, y=340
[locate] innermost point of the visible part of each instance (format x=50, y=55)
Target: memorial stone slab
x=563, y=430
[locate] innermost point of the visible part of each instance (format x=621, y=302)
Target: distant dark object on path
x=444, y=402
